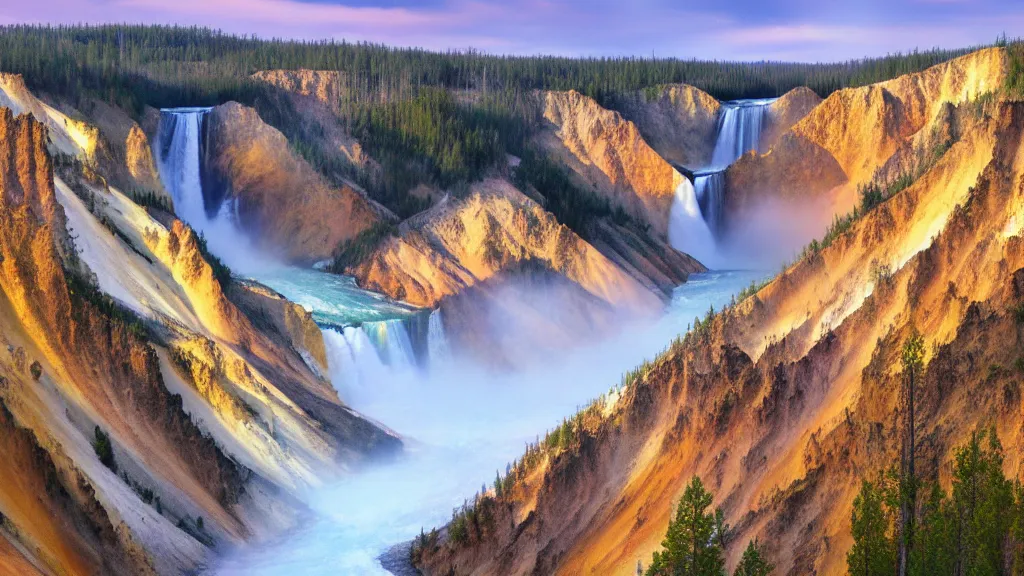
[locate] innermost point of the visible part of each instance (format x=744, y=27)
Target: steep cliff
x=789, y=109
x=609, y=156
x=262, y=173
x=679, y=121
x=323, y=85
x=286, y=318
x=786, y=401
x=102, y=136
x=116, y=328
x=843, y=141
x=461, y=242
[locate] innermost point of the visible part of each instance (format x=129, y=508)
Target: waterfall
x=199, y=196
x=392, y=341
x=437, y=339
x=697, y=216
x=180, y=156
x=687, y=230
x=352, y=359
x=739, y=130
x=709, y=188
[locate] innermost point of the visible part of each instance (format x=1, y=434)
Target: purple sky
x=808, y=30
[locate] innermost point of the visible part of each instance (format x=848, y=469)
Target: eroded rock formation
x=283, y=202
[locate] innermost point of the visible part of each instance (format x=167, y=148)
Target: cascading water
x=697, y=218
x=709, y=188
x=198, y=200
x=391, y=338
x=687, y=230
x=739, y=130
x=180, y=157
x=437, y=339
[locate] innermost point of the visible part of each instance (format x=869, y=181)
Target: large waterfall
x=697, y=217
x=182, y=159
x=180, y=156
x=368, y=336
x=739, y=130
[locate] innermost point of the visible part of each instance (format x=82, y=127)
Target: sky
x=794, y=30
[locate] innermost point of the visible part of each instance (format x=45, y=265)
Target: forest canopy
x=160, y=66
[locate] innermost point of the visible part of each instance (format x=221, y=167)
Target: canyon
x=223, y=350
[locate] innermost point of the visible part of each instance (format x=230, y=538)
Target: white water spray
x=437, y=339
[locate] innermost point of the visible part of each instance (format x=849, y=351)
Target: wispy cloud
x=796, y=29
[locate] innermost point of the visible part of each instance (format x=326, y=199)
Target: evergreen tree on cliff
x=691, y=546
x=913, y=364
x=753, y=562
x=873, y=552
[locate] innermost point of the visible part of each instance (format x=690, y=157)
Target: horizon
x=797, y=31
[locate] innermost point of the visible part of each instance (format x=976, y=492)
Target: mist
x=461, y=421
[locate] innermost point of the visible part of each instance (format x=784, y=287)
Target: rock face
x=843, y=141
x=608, y=154
x=879, y=117
x=679, y=121
x=789, y=109
x=324, y=86
x=110, y=141
x=459, y=243
x=206, y=415
x=784, y=403
x=287, y=318
x=317, y=96
x=283, y=203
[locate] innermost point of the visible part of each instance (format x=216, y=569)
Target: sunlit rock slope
x=784, y=402
x=147, y=420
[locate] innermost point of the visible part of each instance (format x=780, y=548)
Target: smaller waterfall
x=709, y=188
x=687, y=230
x=392, y=341
x=352, y=358
x=739, y=130
x=437, y=340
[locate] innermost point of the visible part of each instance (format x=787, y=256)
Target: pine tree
x=983, y=500
x=753, y=562
x=690, y=547
x=912, y=358
x=873, y=552
x=935, y=549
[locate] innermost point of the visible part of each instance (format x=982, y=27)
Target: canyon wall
x=262, y=174
x=679, y=122
x=609, y=157
x=784, y=402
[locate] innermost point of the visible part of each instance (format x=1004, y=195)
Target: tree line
x=201, y=63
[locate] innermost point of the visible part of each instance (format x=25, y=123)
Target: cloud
x=793, y=30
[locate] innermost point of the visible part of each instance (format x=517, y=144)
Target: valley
x=318, y=320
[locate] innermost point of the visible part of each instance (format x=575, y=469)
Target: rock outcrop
x=789, y=109
x=679, y=121
x=283, y=202
x=461, y=242
x=842, y=142
x=288, y=319
x=325, y=86
x=317, y=96
x=609, y=156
